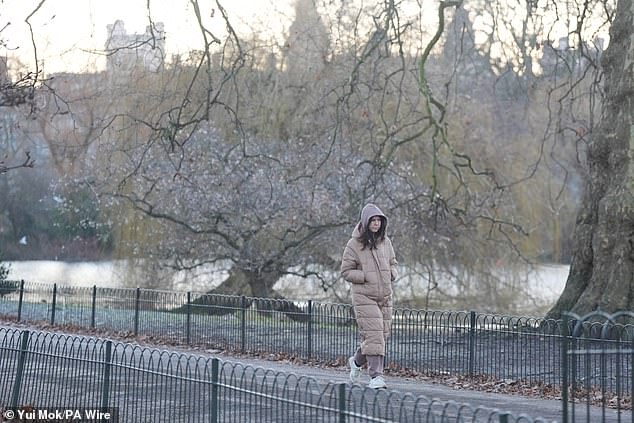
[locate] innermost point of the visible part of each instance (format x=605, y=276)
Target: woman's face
x=375, y=224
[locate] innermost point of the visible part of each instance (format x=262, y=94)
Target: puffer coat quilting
x=370, y=272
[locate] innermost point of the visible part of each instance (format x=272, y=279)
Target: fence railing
x=136, y=384
x=437, y=342
x=597, y=371
x=442, y=343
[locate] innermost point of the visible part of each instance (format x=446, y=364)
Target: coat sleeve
x=393, y=263
x=351, y=266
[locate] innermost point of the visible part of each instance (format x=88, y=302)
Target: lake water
x=111, y=274
x=75, y=274
x=545, y=283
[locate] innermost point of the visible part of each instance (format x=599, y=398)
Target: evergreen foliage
x=6, y=286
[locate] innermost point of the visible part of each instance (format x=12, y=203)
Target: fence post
x=243, y=322
x=107, y=367
x=472, y=327
x=310, y=329
x=94, y=306
x=54, y=303
x=341, y=394
x=215, y=382
x=20, y=300
x=564, y=369
x=19, y=373
x=137, y=304
x=189, y=317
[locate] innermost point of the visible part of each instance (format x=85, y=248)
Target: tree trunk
x=602, y=270
x=222, y=299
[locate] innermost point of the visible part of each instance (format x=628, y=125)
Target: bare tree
x=236, y=157
x=15, y=93
x=241, y=160
x=27, y=162
x=18, y=90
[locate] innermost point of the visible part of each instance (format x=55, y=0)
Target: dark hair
x=368, y=238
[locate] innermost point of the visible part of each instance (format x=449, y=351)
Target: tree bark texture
x=602, y=271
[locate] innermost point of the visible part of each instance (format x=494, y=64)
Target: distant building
x=566, y=59
x=471, y=67
x=131, y=51
x=308, y=43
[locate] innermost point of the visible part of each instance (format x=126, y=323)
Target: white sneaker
x=377, y=383
x=355, y=371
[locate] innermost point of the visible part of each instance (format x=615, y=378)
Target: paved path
x=549, y=410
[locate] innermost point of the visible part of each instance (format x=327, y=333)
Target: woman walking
x=369, y=264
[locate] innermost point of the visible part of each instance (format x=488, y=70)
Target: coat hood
x=368, y=211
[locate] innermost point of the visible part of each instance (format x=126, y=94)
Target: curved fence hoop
x=607, y=318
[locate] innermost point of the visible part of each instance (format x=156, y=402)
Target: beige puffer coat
x=371, y=273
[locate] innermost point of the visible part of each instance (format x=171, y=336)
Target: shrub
x=6, y=286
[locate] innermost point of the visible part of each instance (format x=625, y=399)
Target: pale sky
x=66, y=30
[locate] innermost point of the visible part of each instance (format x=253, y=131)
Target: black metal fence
x=526, y=350
x=437, y=342
x=40, y=370
x=597, y=366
